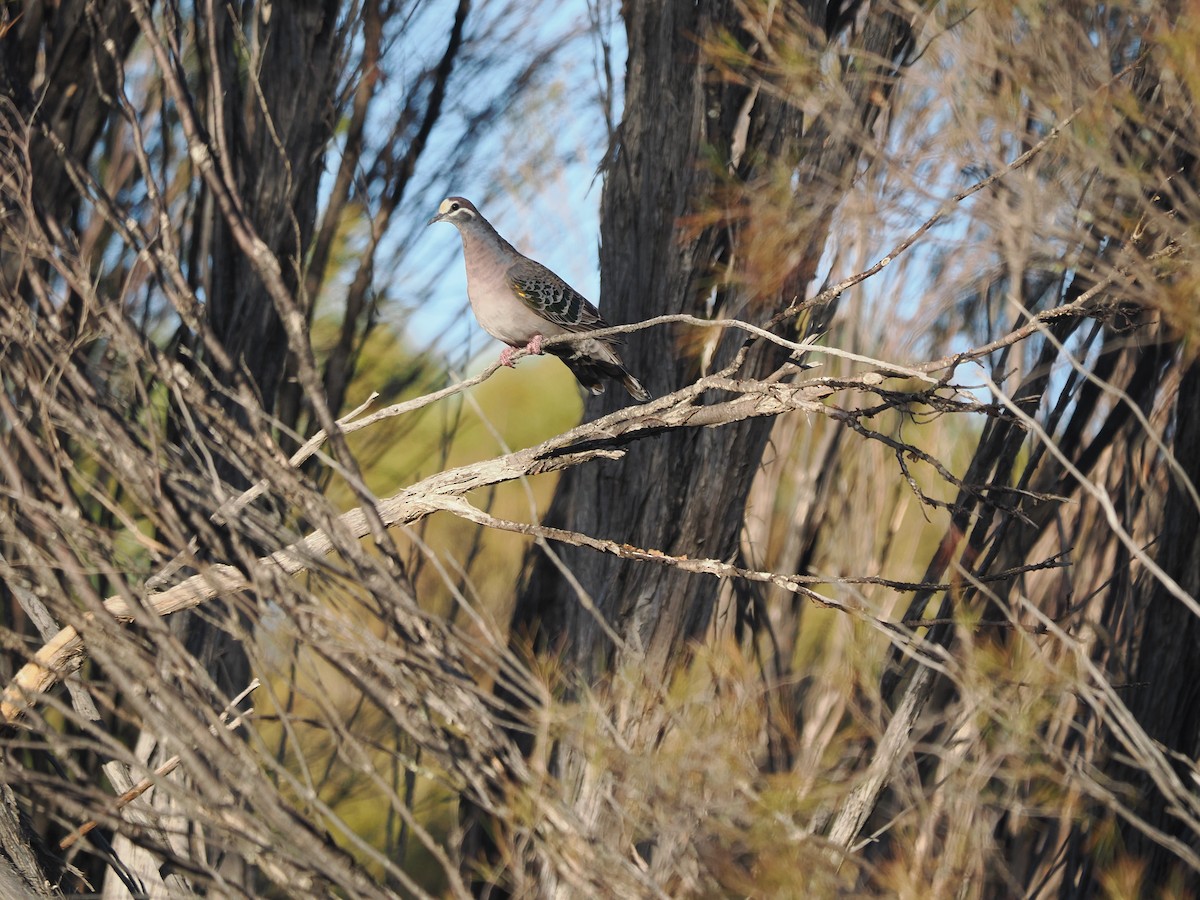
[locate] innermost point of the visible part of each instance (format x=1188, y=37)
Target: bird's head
x=457, y=211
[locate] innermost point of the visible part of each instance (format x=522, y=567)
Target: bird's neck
x=482, y=237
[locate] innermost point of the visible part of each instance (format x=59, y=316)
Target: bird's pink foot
x=534, y=346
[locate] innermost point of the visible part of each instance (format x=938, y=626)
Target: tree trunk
x=269, y=119
x=691, y=147
x=1165, y=695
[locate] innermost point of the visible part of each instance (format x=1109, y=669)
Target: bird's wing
x=552, y=298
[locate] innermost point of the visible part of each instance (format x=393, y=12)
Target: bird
x=520, y=302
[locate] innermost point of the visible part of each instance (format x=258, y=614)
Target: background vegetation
x=892, y=590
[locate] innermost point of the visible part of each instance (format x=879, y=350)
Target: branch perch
x=603, y=438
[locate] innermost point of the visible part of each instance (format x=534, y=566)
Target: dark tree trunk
x=77, y=43
x=276, y=148
x=685, y=134
x=276, y=126
x=1166, y=680
x=690, y=142
x=275, y=123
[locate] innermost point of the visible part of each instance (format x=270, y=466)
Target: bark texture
x=687, y=134
x=672, y=242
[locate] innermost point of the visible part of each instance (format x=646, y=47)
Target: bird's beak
x=436, y=218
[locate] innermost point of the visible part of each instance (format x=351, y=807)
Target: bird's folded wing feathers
x=552, y=298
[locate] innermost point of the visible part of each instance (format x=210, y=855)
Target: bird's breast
x=498, y=309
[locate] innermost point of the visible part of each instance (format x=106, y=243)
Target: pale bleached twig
x=162, y=771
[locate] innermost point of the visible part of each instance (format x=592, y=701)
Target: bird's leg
x=534, y=346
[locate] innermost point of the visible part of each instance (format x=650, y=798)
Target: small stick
x=165, y=769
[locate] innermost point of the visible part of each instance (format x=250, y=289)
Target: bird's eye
x=455, y=207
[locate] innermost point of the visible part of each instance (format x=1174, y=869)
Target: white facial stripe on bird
x=453, y=206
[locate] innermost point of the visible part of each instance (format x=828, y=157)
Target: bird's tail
x=591, y=370
x=635, y=387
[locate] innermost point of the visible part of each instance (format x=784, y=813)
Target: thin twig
x=162, y=771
